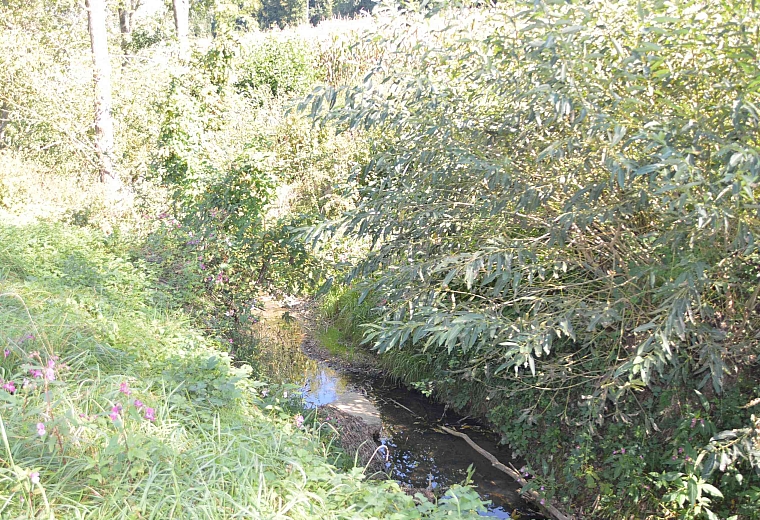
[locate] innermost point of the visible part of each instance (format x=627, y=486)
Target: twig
x=404, y=407
x=532, y=495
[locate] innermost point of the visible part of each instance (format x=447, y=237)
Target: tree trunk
x=181, y=15
x=5, y=118
x=96, y=18
x=127, y=10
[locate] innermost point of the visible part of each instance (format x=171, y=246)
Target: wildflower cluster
x=148, y=413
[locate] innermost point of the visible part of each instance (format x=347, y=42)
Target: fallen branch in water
x=532, y=495
x=404, y=407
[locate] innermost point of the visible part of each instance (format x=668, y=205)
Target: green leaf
x=712, y=490
x=692, y=490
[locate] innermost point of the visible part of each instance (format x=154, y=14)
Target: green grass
x=70, y=300
x=332, y=340
x=335, y=342
x=346, y=315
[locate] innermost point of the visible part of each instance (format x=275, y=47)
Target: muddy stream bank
x=415, y=452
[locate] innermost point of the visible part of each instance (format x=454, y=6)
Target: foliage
x=283, y=66
x=42, y=51
x=353, y=7
x=91, y=426
x=347, y=58
x=144, y=38
x=282, y=13
x=564, y=200
x=320, y=10
x=229, y=223
x=343, y=308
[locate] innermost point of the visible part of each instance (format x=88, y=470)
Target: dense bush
x=347, y=8
x=283, y=66
x=320, y=10
x=562, y=208
x=281, y=13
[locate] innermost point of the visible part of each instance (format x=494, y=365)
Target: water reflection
x=419, y=455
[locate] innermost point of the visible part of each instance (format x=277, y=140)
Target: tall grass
x=95, y=423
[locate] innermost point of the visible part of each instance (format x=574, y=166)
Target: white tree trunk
x=181, y=16
x=96, y=18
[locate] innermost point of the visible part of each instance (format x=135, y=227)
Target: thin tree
x=181, y=10
x=104, y=141
x=4, y=120
x=126, y=11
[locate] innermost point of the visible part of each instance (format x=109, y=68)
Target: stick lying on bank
x=532, y=495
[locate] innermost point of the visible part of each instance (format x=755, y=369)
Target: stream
x=419, y=456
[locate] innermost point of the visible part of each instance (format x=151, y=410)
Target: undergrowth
x=114, y=406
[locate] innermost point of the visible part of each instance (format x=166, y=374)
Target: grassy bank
x=115, y=406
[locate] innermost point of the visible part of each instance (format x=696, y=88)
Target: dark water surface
x=419, y=455
x=422, y=456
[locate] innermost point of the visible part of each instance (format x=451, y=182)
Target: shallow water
x=418, y=455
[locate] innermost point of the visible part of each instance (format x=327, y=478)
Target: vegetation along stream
x=544, y=214
x=419, y=455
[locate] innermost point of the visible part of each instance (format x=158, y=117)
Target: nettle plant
x=564, y=198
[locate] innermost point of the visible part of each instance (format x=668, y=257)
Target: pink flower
x=124, y=388
x=150, y=414
x=50, y=371
x=40, y=429
x=299, y=421
x=115, y=411
x=138, y=404
x=35, y=477
x=36, y=373
x=10, y=387
x=6, y=353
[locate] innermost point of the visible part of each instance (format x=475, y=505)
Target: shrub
x=320, y=10
x=348, y=8
x=557, y=200
x=283, y=66
x=282, y=13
